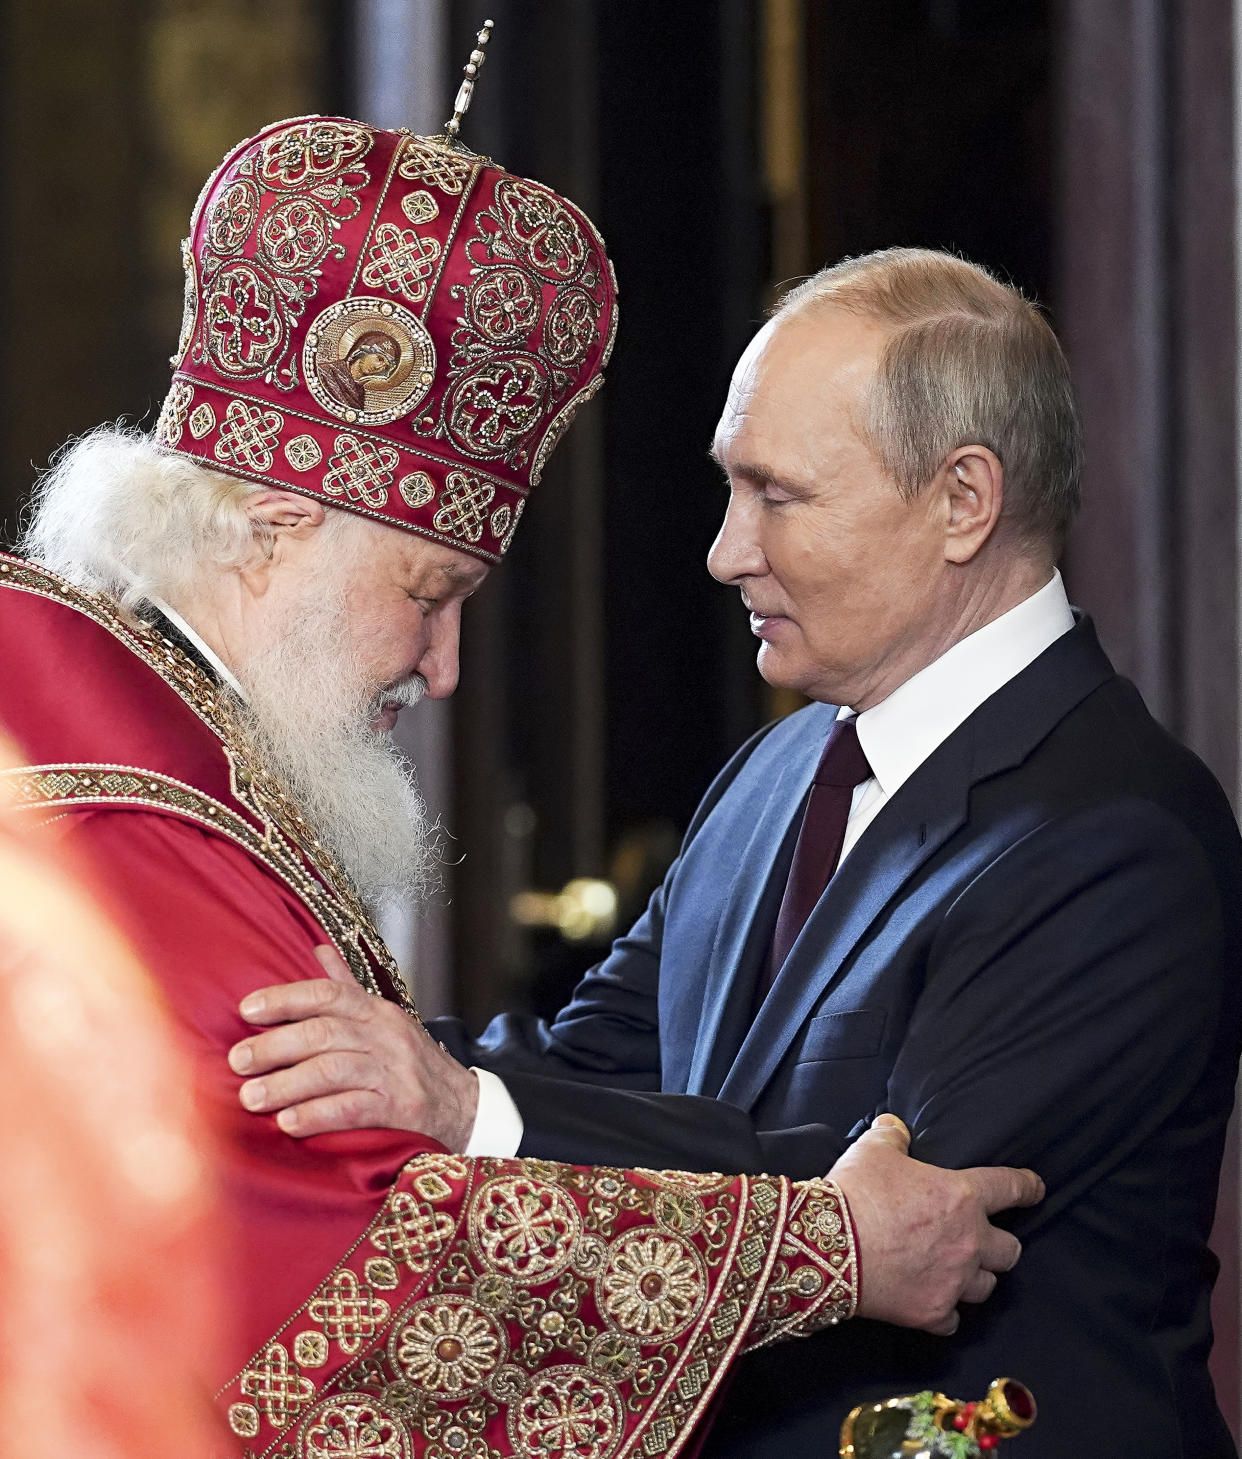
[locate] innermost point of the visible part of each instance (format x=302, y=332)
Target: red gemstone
x=960, y=1420
x=988, y=1441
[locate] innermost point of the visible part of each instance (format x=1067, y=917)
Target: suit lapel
x=912, y=827
x=741, y=941
x=918, y=820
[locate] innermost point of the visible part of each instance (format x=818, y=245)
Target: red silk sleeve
x=212, y=925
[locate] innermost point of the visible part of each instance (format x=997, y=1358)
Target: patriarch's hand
x=335, y=1057
x=925, y=1241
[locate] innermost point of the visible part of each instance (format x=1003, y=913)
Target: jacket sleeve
x=1074, y=994
x=587, y=1082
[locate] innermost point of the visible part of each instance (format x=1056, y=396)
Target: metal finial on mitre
x=466, y=90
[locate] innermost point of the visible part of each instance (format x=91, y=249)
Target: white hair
x=123, y=516
x=308, y=711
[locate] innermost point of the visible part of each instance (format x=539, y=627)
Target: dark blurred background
x=1084, y=149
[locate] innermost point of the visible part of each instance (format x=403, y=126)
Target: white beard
x=309, y=713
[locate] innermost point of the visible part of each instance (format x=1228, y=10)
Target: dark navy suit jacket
x=1032, y=955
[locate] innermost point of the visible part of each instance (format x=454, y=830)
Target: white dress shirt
x=896, y=736
x=902, y=731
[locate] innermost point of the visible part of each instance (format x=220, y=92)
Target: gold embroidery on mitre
x=507, y=541
x=249, y=436
x=425, y=160
x=173, y=415
x=561, y=422
x=417, y=489
x=420, y=207
x=303, y=453
x=307, y=176
x=463, y=506
x=501, y=519
x=400, y=261
x=202, y=421
x=361, y=470
x=189, y=308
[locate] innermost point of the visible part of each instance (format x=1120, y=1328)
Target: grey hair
x=970, y=361
x=121, y=515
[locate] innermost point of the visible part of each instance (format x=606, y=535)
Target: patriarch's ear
x=274, y=512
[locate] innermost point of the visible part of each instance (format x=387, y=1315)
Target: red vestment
x=388, y=1298
x=104, y=1191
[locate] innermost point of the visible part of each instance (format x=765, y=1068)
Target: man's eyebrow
x=458, y=577
x=750, y=471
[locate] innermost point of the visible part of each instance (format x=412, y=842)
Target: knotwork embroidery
x=463, y=506
x=400, y=261
x=348, y=1312
x=425, y=160
x=248, y=436
x=361, y=470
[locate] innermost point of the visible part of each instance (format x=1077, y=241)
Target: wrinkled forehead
x=746, y=372
x=383, y=552
x=436, y=563
x=815, y=364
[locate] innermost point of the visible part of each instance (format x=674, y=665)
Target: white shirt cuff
x=498, y=1127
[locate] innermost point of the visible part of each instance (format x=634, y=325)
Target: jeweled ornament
x=387, y=321
x=930, y=1426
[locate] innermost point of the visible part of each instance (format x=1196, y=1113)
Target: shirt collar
x=902, y=731
x=214, y=659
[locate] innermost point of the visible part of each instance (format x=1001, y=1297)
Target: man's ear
x=973, y=484
x=284, y=512
x=276, y=517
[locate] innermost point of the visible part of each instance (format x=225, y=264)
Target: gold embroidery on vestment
x=283, y=840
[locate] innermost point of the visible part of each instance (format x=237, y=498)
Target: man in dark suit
x=973, y=883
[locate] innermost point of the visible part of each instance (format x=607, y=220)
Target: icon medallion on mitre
x=368, y=360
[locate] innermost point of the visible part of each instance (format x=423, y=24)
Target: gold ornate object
x=465, y=92
x=930, y=1426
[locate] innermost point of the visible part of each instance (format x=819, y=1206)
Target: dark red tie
x=841, y=767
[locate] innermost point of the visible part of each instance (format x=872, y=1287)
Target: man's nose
x=736, y=552
x=439, y=662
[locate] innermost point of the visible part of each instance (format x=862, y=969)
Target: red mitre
x=388, y=322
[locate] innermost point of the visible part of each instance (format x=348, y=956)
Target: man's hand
x=925, y=1243
x=342, y=1059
